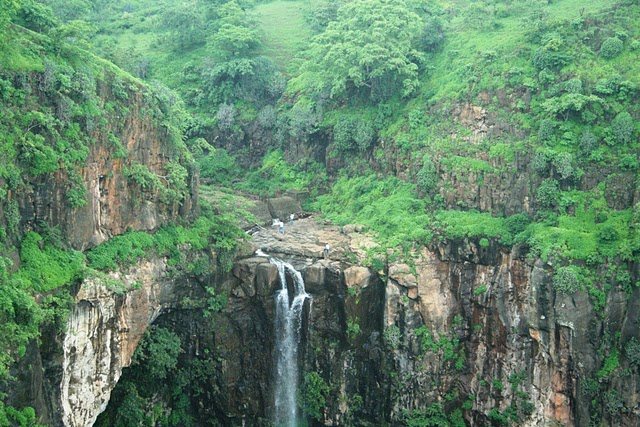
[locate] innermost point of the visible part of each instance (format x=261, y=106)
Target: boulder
x=282, y=207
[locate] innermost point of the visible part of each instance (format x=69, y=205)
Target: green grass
x=286, y=34
x=389, y=207
x=505, y=37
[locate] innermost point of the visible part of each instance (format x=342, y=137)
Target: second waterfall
x=289, y=321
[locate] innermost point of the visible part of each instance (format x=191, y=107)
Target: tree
x=7, y=9
x=232, y=41
x=369, y=49
x=623, y=128
x=186, y=23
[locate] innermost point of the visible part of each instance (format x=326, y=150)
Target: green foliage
x=623, y=128
x=353, y=329
x=215, y=302
x=353, y=133
x=548, y=194
x=7, y=10
x=433, y=416
x=20, y=319
x=427, y=177
x=480, y=290
x=25, y=417
x=277, y=175
x=611, y=47
x=218, y=166
x=158, y=352
x=211, y=230
x=370, y=49
x=567, y=280
x=313, y=395
x=46, y=267
x=471, y=224
x=611, y=363
x=123, y=250
x=632, y=350
x=449, y=347
x=392, y=337
x=388, y=206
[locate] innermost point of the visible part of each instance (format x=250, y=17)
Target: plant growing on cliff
x=566, y=280
x=313, y=395
x=353, y=329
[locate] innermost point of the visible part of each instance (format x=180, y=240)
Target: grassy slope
x=475, y=60
x=463, y=43
x=136, y=34
x=285, y=31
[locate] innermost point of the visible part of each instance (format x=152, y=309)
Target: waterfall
x=288, y=330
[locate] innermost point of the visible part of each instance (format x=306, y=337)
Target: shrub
x=546, y=130
x=351, y=133
x=218, y=166
x=226, y=116
x=563, y=164
x=608, y=234
x=547, y=195
x=158, y=352
x=611, y=47
x=632, y=349
x=540, y=163
x=622, y=127
x=313, y=396
x=427, y=177
x=588, y=142
x=573, y=86
x=566, y=280
x=389, y=206
x=517, y=223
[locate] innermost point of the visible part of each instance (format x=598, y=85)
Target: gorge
x=460, y=184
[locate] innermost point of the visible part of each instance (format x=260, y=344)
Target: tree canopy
x=370, y=49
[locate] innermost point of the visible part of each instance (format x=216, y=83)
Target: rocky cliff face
x=464, y=327
x=125, y=134
x=103, y=331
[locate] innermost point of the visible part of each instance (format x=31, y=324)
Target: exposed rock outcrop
x=103, y=331
x=459, y=326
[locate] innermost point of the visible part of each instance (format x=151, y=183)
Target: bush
x=547, y=130
x=351, y=133
x=566, y=280
x=563, y=164
x=218, y=166
x=389, y=206
x=622, y=127
x=632, y=349
x=540, y=163
x=313, y=396
x=427, y=178
x=548, y=194
x=608, y=234
x=158, y=351
x=588, y=142
x=611, y=48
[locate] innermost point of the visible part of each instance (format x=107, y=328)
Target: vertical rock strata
x=102, y=333
x=464, y=325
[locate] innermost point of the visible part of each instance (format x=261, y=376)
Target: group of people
x=279, y=225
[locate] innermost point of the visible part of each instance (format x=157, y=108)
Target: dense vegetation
x=499, y=122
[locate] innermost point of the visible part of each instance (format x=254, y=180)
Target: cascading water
x=288, y=330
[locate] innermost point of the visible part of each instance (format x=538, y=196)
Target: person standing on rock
x=292, y=217
x=281, y=227
x=325, y=251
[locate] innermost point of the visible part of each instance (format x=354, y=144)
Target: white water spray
x=288, y=331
